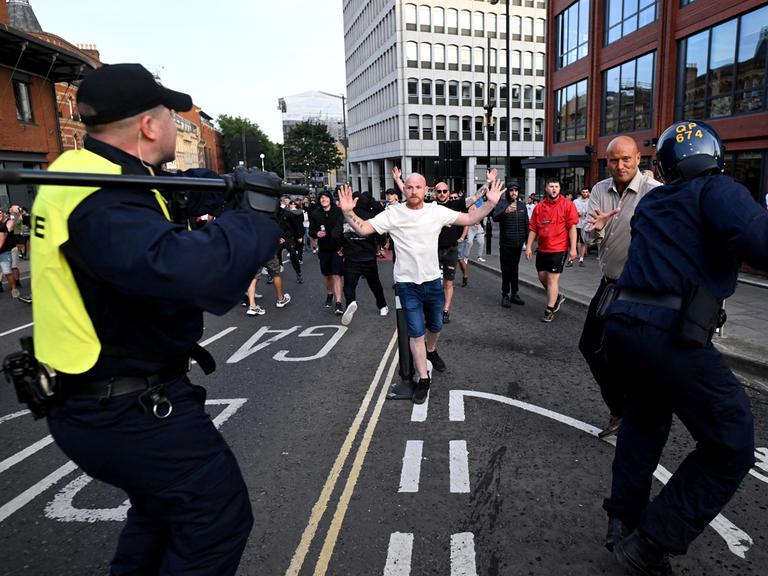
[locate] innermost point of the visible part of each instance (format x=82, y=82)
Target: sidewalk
x=744, y=339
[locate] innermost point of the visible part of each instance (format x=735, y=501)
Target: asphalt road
x=500, y=473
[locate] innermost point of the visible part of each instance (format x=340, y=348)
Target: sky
x=234, y=57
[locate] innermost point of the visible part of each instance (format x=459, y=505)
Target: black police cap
x=117, y=91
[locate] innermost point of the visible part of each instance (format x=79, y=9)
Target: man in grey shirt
x=611, y=206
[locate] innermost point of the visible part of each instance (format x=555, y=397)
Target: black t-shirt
x=449, y=235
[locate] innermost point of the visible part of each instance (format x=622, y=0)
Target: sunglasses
x=438, y=191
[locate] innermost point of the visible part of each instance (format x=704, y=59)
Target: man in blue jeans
x=415, y=227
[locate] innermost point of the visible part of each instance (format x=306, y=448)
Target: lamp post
x=262, y=161
x=507, y=160
x=283, y=109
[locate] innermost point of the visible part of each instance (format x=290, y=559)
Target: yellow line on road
x=318, y=510
x=338, y=518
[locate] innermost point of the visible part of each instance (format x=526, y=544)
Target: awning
x=556, y=162
x=38, y=57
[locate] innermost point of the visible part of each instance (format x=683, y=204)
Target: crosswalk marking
x=399, y=555
x=459, y=466
x=411, y=471
x=463, y=554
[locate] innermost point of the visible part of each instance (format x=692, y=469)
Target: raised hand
x=597, y=219
x=396, y=174
x=494, y=190
x=346, y=202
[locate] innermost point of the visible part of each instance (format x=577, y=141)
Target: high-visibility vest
x=64, y=336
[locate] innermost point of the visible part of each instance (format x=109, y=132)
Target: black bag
x=699, y=317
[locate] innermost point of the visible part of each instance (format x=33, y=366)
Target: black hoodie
x=331, y=221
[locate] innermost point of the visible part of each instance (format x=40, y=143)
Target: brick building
x=635, y=66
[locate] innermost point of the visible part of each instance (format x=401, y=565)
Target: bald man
x=611, y=206
x=415, y=228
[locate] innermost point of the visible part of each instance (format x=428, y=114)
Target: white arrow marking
x=250, y=346
x=35, y=490
x=463, y=554
x=761, y=461
x=62, y=508
x=399, y=554
x=459, y=466
x=411, y=470
x=282, y=355
x=738, y=541
x=26, y=453
x=8, y=417
x=215, y=337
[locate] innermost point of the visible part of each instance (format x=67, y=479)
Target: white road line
x=463, y=554
x=12, y=416
x=419, y=412
x=35, y=490
x=738, y=541
x=411, y=470
x=26, y=453
x=459, y=466
x=12, y=330
x=217, y=336
x=399, y=554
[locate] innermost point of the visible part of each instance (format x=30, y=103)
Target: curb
x=737, y=360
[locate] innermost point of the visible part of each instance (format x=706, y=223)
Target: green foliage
x=256, y=142
x=309, y=147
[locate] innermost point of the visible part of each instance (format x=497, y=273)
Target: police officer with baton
x=688, y=239
x=120, y=292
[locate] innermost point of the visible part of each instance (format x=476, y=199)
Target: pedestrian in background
x=325, y=224
x=582, y=208
x=512, y=217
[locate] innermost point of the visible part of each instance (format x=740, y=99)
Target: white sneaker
x=15, y=292
x=255, y=311
x=384, y=311
x=258, y=296
x=480, y=259
x=284, y=301
x=349, y=313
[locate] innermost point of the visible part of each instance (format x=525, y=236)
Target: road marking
x=459, y=466
x=26, y=453
x=318, y=510
x=419, y=412
x=463, y=554
x=411, y=470
x=399, y=554
x=250, y=347
x=214, y=338
x=12, y=330
x=282, y=355
x=738, y=541
x=12, y=416
x=338, y=518
x=35, y=490
x=761, y=461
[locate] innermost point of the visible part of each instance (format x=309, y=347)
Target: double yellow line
x=320, y=507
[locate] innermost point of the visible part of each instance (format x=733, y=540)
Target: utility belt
x=700, y=312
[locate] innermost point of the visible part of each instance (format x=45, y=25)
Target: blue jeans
x=423, y=306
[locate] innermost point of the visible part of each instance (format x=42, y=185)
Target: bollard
x=402, y=390
x=488, y=235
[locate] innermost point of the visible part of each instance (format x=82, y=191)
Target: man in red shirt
x=553, y=222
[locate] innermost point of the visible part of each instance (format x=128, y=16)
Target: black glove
x=253, y=190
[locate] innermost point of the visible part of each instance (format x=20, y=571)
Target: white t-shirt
x=582, y=205
x=415, y=233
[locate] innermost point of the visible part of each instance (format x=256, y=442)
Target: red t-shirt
x=551, y=220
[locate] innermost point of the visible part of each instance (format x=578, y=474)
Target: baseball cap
x=512, y=184
x=117, y=91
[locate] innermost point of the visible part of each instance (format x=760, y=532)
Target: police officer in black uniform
x=688, y=240
x=120, y=292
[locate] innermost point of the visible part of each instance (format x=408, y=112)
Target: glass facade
x=628, y=96
x=722, y=69
x=572, y=28
x=571, y=112
x=625, y=16
x=748, y=167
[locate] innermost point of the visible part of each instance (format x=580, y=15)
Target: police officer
x=688, y=238
x=120, y=292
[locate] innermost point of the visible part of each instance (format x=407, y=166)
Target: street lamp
x=262, y=161
x=283, y=109
x=507, y=161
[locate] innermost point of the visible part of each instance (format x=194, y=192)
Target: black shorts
x=448, y=258
x=550, y=262
x=331, y=264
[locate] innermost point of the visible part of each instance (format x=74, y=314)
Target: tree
x=309, y=147
x=256, y=142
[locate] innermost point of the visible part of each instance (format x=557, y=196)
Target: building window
x=413, y=126
x=490, y=25
x=527, y=96
x=466, y=128
x=515, y=27
x=453, y=93
x=440, y=127
x=425, y=20
x=466, y=93
x=479, y=121
x=438, y=19
x=528, y=63
x=503, y=95
x=440, y=92
x=628, y=96
x=479, y=93
x=413, y=91
x=539, y=130
x=466, y=59
x=453, y=57
x=479, y=58
x=452, y=21
x=528, y=29
x=503, y=61
x=465, y=21
x=516, y=63
x=410, y=16
x=722, y=69
x=21, y=90
x=527, y=129
x=515, y=129
x=540, y=30
x=571, y=112
x=453, y=128
x=426, y=127
x=516, y=96
x=625, y=16
x=503, y=128
x=539, y=64
x=748, y=168
x=426, y=55
x=493, y=59
x=412, y=54
x=440, y=56
x=426, y=91
x=492, y=93
x=572, y=28
x=539, y=97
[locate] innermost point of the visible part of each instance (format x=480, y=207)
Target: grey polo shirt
x=613, y=240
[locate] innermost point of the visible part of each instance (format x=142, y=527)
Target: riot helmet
x=687, y=149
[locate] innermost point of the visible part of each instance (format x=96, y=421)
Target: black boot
x=617, y=531
x=642, y=556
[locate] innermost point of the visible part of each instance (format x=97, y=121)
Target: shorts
x=273, y=266
x=331, y=264
x=15, y=257
x=423, y=306
x=5, y=262
x=550, y=262
x=449, y=259
x=462, y=250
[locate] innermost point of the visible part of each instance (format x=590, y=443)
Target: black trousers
x=293, y=255
x=370, y=270
x=509, y=259
x=591, y=346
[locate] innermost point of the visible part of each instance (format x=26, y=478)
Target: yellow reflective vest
x=64, y=336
